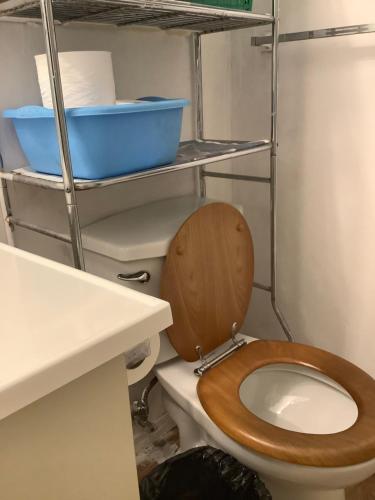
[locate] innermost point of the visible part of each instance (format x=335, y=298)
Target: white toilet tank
x=138, y=240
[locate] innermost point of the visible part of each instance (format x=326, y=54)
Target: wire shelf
x=191, y=154
x=164, y=14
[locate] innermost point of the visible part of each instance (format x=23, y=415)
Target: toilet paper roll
x=138, y=373
x=87, y=79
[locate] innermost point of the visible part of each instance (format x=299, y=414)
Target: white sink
x=57, y=323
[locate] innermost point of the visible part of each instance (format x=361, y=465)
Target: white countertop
x=57, y=323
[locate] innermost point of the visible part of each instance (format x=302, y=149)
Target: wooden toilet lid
x=218, y=391
x=207, y=279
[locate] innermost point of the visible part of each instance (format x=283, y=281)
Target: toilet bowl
x=302, y=417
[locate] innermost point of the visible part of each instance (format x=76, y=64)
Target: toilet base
x=282, y=490
x=192, y=435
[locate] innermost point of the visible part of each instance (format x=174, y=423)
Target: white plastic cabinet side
x=76, y=443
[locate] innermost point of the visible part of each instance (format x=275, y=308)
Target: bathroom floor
x=153, y=448
x=156, y=446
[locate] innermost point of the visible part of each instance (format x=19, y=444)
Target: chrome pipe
x=237, y=177
x=141, y=408
x=5, y=207
x=274, y=76
x=273, y=168
x=37, y=229
x=146, y=391
x=198, y=94
x=62, y=133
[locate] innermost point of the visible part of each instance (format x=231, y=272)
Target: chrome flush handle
x=139, y=276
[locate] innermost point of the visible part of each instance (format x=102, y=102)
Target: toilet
x=300, y=416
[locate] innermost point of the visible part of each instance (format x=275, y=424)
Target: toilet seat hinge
x=200, y=353
x=208, y=363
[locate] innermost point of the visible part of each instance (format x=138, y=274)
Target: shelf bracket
x=260, y=286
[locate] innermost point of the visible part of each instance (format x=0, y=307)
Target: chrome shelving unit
x=166, y=15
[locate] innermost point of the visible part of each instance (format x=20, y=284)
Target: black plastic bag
x=203, y=474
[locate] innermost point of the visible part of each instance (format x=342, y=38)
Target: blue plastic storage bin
x=105, y=141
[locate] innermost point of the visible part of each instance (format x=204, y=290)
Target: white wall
x=326, y=221
x=217, y=104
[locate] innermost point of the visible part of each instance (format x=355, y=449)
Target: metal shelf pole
x=198, y=79
x=238, y=177
x=273, y=169
x=62, y=133
x=5, y=207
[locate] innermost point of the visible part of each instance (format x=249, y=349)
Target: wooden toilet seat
x=218, y=391
x=207, y=279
